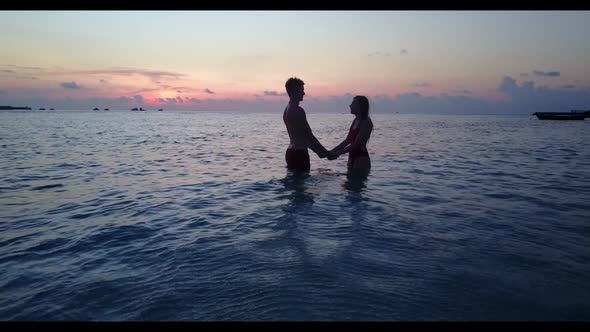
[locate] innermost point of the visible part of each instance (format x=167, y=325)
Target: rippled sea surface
x=192, y=216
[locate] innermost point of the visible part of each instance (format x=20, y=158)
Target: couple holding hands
x=302, y=138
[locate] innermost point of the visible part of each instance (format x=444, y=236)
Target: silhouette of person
x=355, y=144
x=300, y=134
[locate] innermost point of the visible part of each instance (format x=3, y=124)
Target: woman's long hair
x=364, y=111
x=364, y=103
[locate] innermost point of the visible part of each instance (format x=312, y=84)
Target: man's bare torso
x=294, y=118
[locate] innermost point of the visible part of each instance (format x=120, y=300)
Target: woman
x=355, y=143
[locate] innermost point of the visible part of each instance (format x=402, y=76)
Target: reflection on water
x=354, y=185
x=294, y=184
x=355, y=181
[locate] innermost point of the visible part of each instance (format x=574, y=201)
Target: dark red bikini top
x=352, y=133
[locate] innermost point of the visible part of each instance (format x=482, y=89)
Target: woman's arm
x=340, y=146
x=360, y=139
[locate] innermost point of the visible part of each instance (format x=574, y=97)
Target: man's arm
x=312, y=141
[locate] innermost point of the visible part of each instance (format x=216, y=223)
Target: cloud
x=414, y=102
x=274, y=94
x=70, y=85
x=403, y=52
x=546, y=73
x=521, y=97
x=178, y=91
x=24, y=68
x=209, y=91
x=124, y=99
x=26, y=78
x=423, y=85
x=568, y=86
x=154, y=75
x=175, y=103
x=379, y=53
x=8, y=71
x=343, y=99
x=524, y=74
x=138, y=99
x=145, y=90
x=507, y=85
x=531, y=98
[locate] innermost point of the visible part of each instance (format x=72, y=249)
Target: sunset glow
x=240, y=60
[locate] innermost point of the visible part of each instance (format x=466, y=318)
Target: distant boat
x=141, y=109
x=41, y=109
x=96, y=109
x=160, y=110
x=51, y=109
x=135, y=109
x=14, y=108
x=573, y=115
x=106, y=109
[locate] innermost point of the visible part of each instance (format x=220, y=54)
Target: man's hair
x=293, y=84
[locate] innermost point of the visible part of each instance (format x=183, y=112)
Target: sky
x=404, y=61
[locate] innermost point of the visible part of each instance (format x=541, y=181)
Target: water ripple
x=171, y=216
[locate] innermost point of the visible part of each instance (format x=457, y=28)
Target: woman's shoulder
x=367, y=122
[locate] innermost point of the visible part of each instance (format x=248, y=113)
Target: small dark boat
x=51, y=109
x=573, y=115
x=41, y=109
x=106, y=109
x=141, y=109
x=14, y=108
x=160, y=110
x=135, y=109
x=96, y=109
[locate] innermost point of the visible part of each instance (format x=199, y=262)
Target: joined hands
x=331, y=155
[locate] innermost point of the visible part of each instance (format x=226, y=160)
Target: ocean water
x=192, y=216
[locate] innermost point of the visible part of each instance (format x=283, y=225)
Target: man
x=300, y=135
